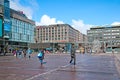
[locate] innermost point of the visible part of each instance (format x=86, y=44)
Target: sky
x=80, y=14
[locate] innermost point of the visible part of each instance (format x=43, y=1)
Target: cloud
x=15, y=4
x=77, y=24
x=34, y=4
x=47, y=20
x=81, y=26
x=115, y=23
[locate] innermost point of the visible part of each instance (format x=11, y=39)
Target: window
x=20, y=36
x=27, y=37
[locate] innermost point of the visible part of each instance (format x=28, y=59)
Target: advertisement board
x=7, y=26
x=1, y=28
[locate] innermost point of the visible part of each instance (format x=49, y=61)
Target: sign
x=7, y=26
x=6, y=36
x=1, y=28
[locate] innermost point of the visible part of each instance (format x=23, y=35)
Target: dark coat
x=73, y=52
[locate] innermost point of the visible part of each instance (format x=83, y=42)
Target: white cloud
x=14, y=4
x=46, y=20
x=77, y=24
x=81, y=26
x=115, y=23
x=34, y=4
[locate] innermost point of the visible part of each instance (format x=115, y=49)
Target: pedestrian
x=24, y=53
x=14, y=52
x=113, y=51
x=73, y=57
x=20, y=53
x=17, y=53
x=5, y=51
x=29, y=52
x=41, y=56
x=90, y=50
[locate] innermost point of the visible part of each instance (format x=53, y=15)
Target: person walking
x=24, y=53
x=14, y=52
x=41, y=56
x=29, y=52
x=20, y=53
x=17, y=53
x=90, y=50
x=73, y=56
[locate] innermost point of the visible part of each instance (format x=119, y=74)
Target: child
x=29, y=51
x=41, y=56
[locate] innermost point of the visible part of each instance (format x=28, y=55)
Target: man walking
x=73, y=57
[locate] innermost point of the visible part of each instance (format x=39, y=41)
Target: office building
x=22, y=29
x=109, y=37
x=5, y=18
x=16, y=30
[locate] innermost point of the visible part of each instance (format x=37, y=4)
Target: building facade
x=5, y=18
x=16, y=30
x=109, y=37
x=1, y=20
x=22, y=29
x=59, y=33
x=59, y=36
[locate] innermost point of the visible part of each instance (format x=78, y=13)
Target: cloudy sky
x=80, y=14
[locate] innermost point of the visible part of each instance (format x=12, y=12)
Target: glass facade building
x=5, y=17
x=22, y=29
x=1, y=31
x=7, y=26
x=16, y=29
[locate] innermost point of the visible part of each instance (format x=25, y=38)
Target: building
x=5, y=18
x=4, y=24
x=59, y=33
x=59, y=36
x=22, y=29
x=16, y=30
x=1, y=21
x=109, y=37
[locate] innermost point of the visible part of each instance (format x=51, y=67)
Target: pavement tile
x=88, y=67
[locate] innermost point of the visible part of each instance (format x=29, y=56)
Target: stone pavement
x=88, y=67
x=117, y=59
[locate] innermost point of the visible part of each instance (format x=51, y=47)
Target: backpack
x=40, y=54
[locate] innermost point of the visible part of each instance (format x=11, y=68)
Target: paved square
x=88, y=67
